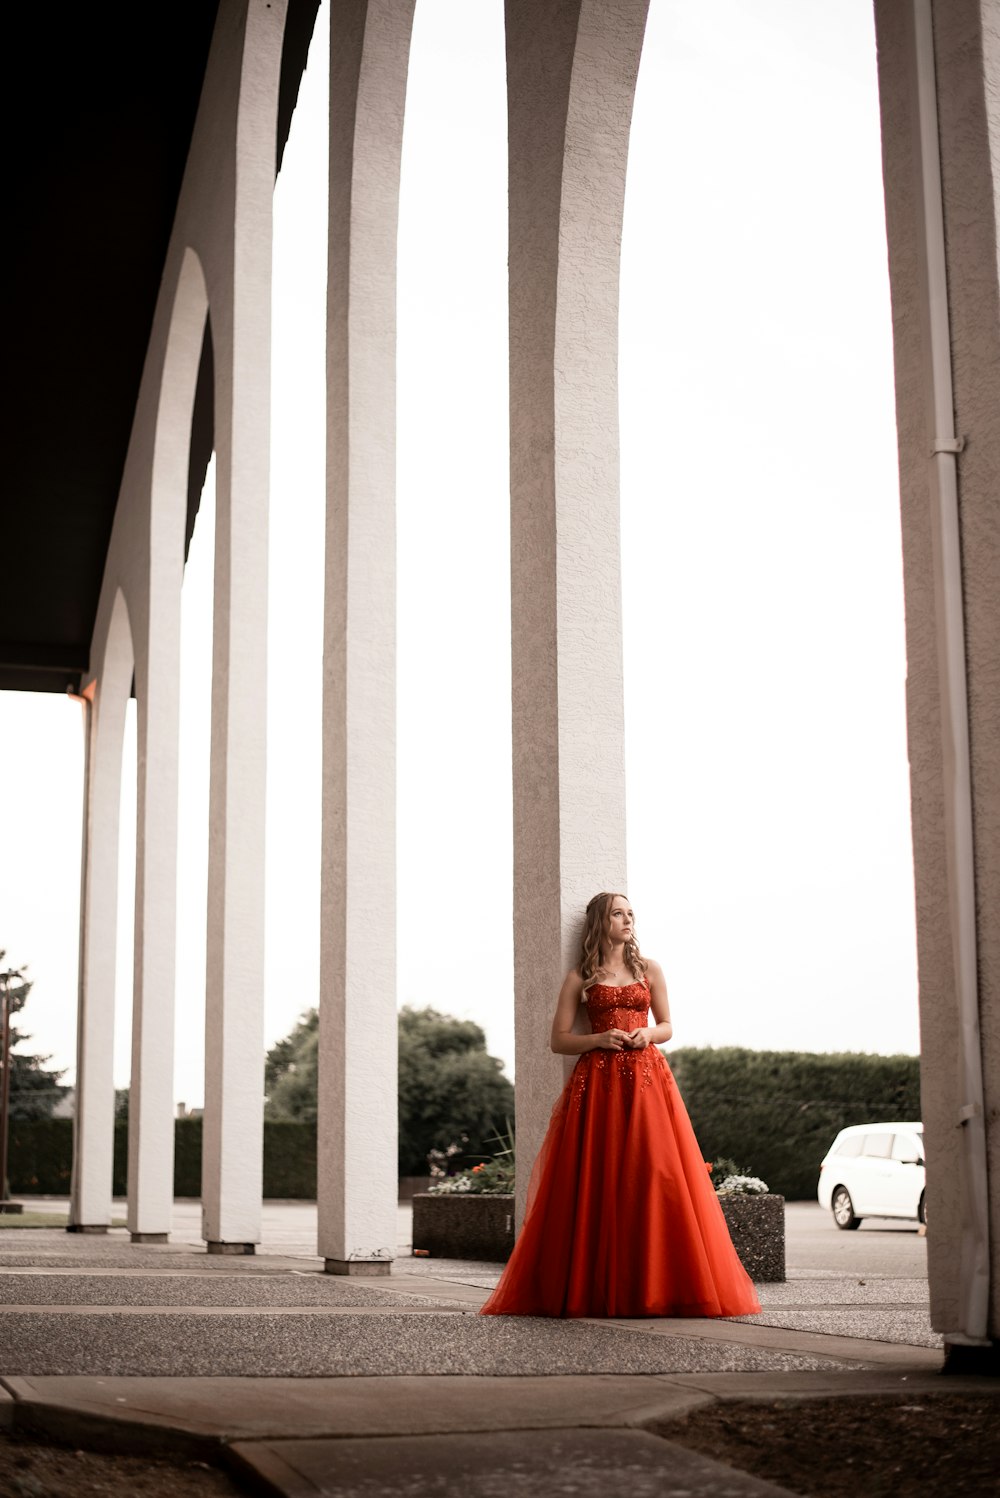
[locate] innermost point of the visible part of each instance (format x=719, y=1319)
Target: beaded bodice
x=617, y=1008
x=625, y=1007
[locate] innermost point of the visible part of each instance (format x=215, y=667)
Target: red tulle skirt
x=622, y=1218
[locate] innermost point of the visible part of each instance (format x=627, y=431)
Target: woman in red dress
x=622, y=1218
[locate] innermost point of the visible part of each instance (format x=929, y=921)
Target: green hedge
x=41, y=1157
x=289, y=1159
x=777, y=1112
x=119, y=1176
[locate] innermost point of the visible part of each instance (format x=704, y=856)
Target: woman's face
x=621, y=921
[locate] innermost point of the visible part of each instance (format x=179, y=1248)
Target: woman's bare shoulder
x=653, y=968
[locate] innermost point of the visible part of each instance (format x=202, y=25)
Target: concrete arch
x=237, y=268
x=219, y=254
x=179, y=379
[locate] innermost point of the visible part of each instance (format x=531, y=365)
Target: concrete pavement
x=309, y=1384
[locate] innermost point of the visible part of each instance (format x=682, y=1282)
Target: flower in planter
x=731, y=1179
x=452, y=1185
x=742, y=1186
x=493, y=1177
x=437, y=1161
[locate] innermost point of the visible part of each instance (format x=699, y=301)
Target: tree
x=290, y=1072
x=450, y=1090
x=34, y=1089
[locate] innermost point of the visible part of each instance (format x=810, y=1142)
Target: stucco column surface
x=967, y=48
x=93, y=1127
x=940, y=105
x=151, y=1100
x=571, y=73
x=357, y=1121
x=151, y=1108
x=239, y=288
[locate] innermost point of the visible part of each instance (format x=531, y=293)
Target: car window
x=878, y=1144
x=851, y=1144
x=906, y=1147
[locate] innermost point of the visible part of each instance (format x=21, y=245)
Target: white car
x=874, y=1170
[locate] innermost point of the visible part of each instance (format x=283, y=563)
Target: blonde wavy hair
x=595, y=931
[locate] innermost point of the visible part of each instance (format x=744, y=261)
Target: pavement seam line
x=196, y=1310
x=775, y=1338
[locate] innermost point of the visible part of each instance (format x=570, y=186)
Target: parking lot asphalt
x=300, y=1379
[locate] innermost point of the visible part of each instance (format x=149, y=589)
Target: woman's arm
x=660, y=1032
x=563, y=1041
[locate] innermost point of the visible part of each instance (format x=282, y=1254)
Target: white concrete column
x=151, y=1111
x=571, y=68
x=239, y=286
x=939, y=94
x=357, y=1152
x=151, y=1103
x=157, y=691
x=93, y=1126
x=158, y=630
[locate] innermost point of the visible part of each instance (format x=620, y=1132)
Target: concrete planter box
x=464, y=1226
x=469, y=1226
x=757, y=1227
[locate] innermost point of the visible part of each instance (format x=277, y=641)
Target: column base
x=230, y=1248
x=150, y=1237
x=358, y=1268
x=983, y=1360
x=87, y=1227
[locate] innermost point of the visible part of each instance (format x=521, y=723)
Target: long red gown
x=622, y=1218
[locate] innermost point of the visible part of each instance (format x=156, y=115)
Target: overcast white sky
x=768, y=814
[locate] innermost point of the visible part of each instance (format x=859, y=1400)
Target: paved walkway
x=315, y=1384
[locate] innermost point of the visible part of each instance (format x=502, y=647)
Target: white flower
x=742, y=1186
x=449, y=1185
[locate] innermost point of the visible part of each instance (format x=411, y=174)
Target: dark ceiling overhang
x=96, y=148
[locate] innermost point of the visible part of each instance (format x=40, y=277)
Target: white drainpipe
x=974, y=1258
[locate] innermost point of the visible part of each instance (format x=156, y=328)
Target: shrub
x=782, y=1109
x=187, y=1157
x=493, y=1177
x=451, y=1091
x=290, y=1159
x=41, y=1157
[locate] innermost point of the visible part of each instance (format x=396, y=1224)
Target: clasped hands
x=623, y=1040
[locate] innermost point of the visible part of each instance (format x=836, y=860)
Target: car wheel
x=843, y=1209
x=922, y=1209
